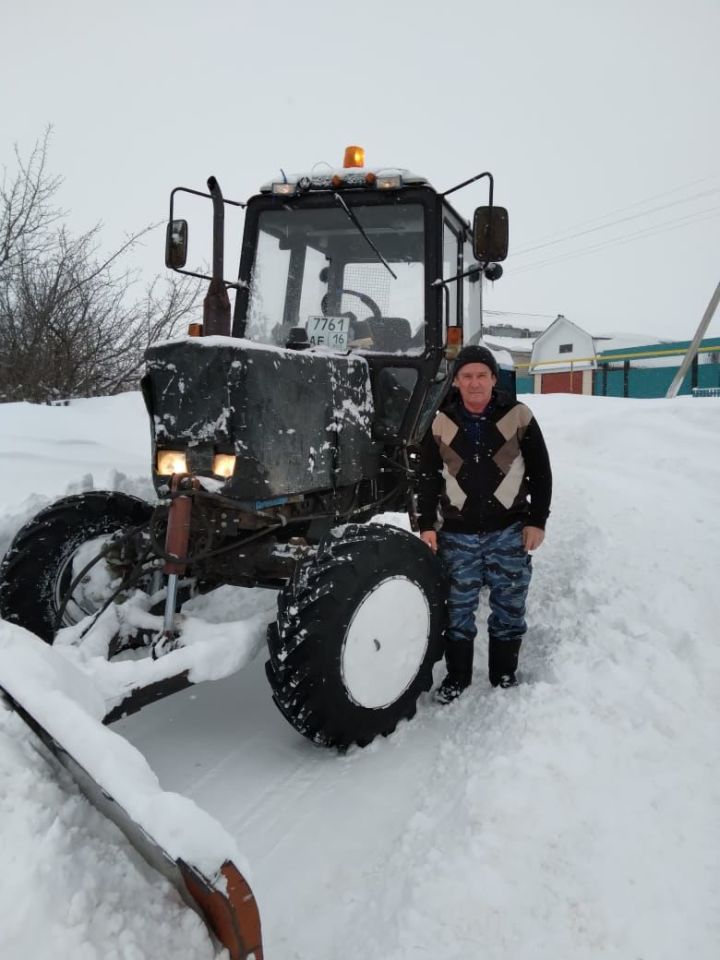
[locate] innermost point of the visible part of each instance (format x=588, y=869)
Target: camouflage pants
x=496, y=560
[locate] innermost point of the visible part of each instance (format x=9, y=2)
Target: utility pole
x=693, y=348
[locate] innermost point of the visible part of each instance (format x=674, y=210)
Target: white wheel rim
x=385, y=643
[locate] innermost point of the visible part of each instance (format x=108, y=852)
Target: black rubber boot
x=503, y=661
x=459, y=660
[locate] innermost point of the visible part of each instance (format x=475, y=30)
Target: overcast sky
x=587, y=112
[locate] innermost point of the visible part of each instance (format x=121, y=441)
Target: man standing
x=483, y=500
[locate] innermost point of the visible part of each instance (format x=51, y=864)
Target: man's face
x=475, y=382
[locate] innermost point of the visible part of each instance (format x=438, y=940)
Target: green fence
x=525, y=384
x=618, y=373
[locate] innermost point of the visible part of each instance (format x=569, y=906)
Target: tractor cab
x=343, y=275
x=372, y=262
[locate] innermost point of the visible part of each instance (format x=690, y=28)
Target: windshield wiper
x=356, y=223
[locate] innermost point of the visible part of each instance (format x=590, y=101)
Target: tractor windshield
x=315, y=270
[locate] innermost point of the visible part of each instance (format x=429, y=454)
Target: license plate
x=330, y=332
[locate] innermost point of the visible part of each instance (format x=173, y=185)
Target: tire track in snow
x=478, y=729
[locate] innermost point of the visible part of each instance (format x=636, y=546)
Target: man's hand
x=532, y=538
x=429, y=537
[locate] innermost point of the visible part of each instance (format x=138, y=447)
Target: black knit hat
x=475, y=354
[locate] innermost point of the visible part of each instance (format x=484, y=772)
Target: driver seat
x=390, y=334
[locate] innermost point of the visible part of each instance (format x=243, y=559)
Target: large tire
x=358, y=631
x=37, y=569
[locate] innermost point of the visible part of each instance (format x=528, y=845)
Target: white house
x=563, y=359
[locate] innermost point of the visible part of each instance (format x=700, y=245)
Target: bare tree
x=69, y=323
x=26, y=203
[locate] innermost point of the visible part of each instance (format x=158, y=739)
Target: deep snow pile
x=576, y=816
x=71, y=886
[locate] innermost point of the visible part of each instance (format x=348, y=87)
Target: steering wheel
x=363, y=297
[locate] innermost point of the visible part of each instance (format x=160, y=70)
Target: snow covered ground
x=577, y=816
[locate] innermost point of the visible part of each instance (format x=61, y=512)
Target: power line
x=630, y=206
x=612, y=223
x=619, y=241
x=518, y=313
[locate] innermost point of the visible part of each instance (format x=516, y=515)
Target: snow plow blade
x=59, y=705
x=139, y=697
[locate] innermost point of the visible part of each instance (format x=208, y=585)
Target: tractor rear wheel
x=52, y=548
x=358, y=631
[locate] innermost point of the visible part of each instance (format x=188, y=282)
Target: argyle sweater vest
x=476, y=477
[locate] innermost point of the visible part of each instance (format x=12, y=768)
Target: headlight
x=223, y=464
x=170, y=462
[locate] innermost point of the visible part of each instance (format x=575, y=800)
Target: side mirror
x=176, y=244
x=490, y=234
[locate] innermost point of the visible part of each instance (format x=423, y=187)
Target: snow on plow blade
x=174, y=836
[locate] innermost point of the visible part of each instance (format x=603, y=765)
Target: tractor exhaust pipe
x=216, y=307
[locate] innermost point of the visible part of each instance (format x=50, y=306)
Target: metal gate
x=570, y=381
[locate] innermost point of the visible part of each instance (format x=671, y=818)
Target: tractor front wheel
x=50, y=549
x=358, y=631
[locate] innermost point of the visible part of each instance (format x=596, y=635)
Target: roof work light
x=283, y=188
x=388, y=181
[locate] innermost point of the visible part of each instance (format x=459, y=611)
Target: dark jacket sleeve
x=537, y=473
x=429, y=482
